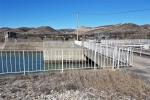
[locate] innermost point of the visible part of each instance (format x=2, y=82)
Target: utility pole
x=77, y=15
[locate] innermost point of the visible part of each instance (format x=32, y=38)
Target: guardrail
x=87, y=56
x=56, y=59
x=121, y=56
x=126, y=42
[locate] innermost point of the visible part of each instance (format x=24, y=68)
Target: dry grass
x=113, y=83
x=109, y=81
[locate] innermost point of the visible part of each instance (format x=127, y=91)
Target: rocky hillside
x=127, y=30
x=38, y=30
x=120, y=31
x=42, y=30
x=26, y=32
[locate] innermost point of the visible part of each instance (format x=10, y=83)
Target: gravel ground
x=63, y=87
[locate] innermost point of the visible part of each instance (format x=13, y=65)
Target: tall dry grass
x=105, y=80
x=113, y=83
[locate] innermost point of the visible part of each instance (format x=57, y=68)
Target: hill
x=119, y=31
x=127, y=30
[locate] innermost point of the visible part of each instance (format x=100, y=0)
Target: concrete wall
x=75, y=54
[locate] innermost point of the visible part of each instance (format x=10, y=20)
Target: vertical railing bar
x=82, y=56
x=85, y=60
x=95, y=57
x=44, y=58
x=101, y=56
x=107, y=54
x=36, y=59
x=125, y=54
x=79, y=58
x=19, y=61
x=51, y=59
x=58, y=61
x=32, y=60
x=88, y=54
x=91, y=57
x=69, y=58
x=48, y=65
x=6, y=61
x=55, y=59
x=113, y=59
x=127, y=57
x=118, y=58
x=62, y=62
x=24, y=63
x=75, y=60
x=10, y=59
x=28, y=61
x=15, y=60
x=122, y=54
x=2, y=62
x=66, y=57
x=72, y=58
x=104, y=56
x=132, y=55
x=40, y=60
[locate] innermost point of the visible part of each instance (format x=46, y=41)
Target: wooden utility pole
x=77, y=15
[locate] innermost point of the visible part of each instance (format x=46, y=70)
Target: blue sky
x=61, y=13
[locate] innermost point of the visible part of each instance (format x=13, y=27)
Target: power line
x=115, y=13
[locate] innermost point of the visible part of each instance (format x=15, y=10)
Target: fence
x=115, y=56
x=26, y=61
x=127, y=42
x=139, y=46
x=82, y=55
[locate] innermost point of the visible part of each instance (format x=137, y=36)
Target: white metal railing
x=121, y=56
x=127, y=42
x=140, y=46
x=56, y=59
x=88, y=55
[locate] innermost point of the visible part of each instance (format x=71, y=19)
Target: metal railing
x=132, y=42
x=120, y=56
x=82, y=55
x=28, y=61
x=140, y=46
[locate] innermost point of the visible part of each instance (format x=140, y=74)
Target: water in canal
x=19, y=61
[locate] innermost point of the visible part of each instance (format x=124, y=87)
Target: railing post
x=119, y=58
x=2, y=62
x=95, y=57
x=6, y=61
x=140, y=50
x=128, y=52
x=114, y=56
x=24, y=63
x=62, y=62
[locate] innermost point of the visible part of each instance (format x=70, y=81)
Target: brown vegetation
x=103, y=84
